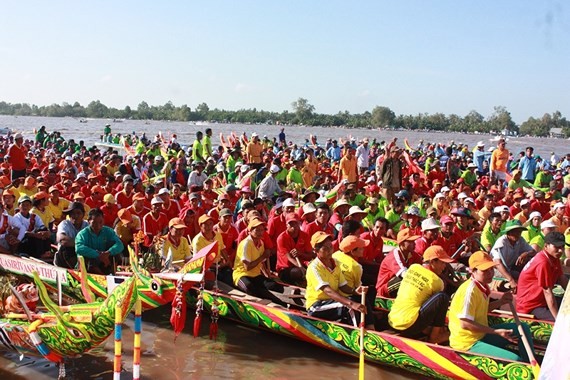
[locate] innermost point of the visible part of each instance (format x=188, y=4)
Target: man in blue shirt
x=527, y=165
x=334, y=152
x=99, y=244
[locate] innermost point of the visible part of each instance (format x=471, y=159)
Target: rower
x=468, y=321
x=324, y=281
x=250, y=258
x=538, y=278
x=293, y=249
x=421, y=304
x=395, y=264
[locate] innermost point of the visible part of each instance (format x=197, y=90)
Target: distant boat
x=83, y=120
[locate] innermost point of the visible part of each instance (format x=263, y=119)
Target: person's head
x=256, y=228
x=350, y=227
x=495, y=221
x=25, y=204
x=513, y=230
x=380, y=226
x=322, y=245
x=176, y=228
x=436, y=258
x=489, y=201
x=199, y=135
x=547, y=226
x=293, y=225
x=482, y=267
x=206, y=224
x=226, y=217
x=554, y=243
x=529, y=151
x=156, y=204
x=406, y=241
x=95, y=219
x=353, y=246
x=559, y=209
x=430, y=229
x=502, y=143
x=288, y=206
x=75, y=212
x=447, y=224
x=323, y=214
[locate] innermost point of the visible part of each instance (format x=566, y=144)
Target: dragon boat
x=155, y=289
x=66, y=331
x=383, y=348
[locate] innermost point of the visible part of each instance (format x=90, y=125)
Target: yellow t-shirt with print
x=200, y=242
x=351, y=270
x=57, y=210
x=46, y=216
x=418, y=284
x=318, y=276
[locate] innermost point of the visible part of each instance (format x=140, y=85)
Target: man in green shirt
x=198, y=148
x=207, y=144
x=469, y=176
x=491, y=231
x=99, y=244
x=295, y=177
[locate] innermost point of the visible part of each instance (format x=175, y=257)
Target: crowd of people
x=339, y=218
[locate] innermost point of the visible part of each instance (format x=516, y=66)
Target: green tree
x=143, y=111
x=303, y=110
x=96, y=109
x=501, y=120
x=203, y=110
x=382, y=117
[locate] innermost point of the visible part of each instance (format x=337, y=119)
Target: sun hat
x=481, y=260
x=204, y=218
x=225, y=212
x=436, y=252
x=24, y=198
x=177, y=223
x=162, y=191
x=439, y=195
x=513, y=225
x=351, y=242
x=289, y=202
x=156, y=200
x=109, y=198
x=319, y=237
x=309, y=208
x=339, y=203
x=413, y=210
x=125, y=216
x=255, y=222
x=355, y=210
x=547, y=224
x=406, y=235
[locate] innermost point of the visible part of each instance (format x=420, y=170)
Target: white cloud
x=106, y=78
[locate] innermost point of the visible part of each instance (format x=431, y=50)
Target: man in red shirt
x=430, y=234
x=155, y=223
x=538, y=277
x=395, y=264
x=373, y=252
x=321, y=222
x=228, y=231
x=447, y=239
x=17, y=157
x=294, y=251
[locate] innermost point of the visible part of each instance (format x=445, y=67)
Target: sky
x=411, y=56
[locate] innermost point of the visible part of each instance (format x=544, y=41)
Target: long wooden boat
x=436, y=361
x=155, y=289
x=66, y=331
x=541, y=330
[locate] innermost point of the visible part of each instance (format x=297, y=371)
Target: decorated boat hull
x=69, y=331
x=415, y=356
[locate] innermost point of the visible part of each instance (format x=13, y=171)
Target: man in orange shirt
x=17, y=157
x=347, y=168
x=499, y=159
x=254, y=150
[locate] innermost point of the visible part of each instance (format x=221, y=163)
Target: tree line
x=302, y=112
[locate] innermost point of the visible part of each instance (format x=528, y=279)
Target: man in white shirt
x=197, y=176
x=362, y=156
x=269, y=185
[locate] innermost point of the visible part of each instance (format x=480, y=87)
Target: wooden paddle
x=361, y=361
x=533, y=363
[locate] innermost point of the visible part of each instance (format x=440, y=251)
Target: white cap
x=156, y=200
x=547, y=224
x=439, y=195
x=274, y=169
x=481, y=143
x=430, y=224
x=501, y=209
x=254, y=134
x=558, y=205
x=220, y=168
x=524, y=202
x=472, y=165
x=469, y=199
x=462, y=195
x=68, y=158
x=288, y=202
x=444, y=189
x=81, y=175
x=244, y=168
x=534, y=214
x=164, y=190
x=18, y=136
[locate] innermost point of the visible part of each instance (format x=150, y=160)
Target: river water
x=91, y=131
x=239, y=352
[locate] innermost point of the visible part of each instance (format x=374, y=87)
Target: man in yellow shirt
x=324, y=282
x=207, y=236
x=250, y=257
x=176, y=249
x=468, y=323
x=421, y=304
x=347, y=168
x=351, y=250
x=499, y=160
x=56, y=205
x=254, y=150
